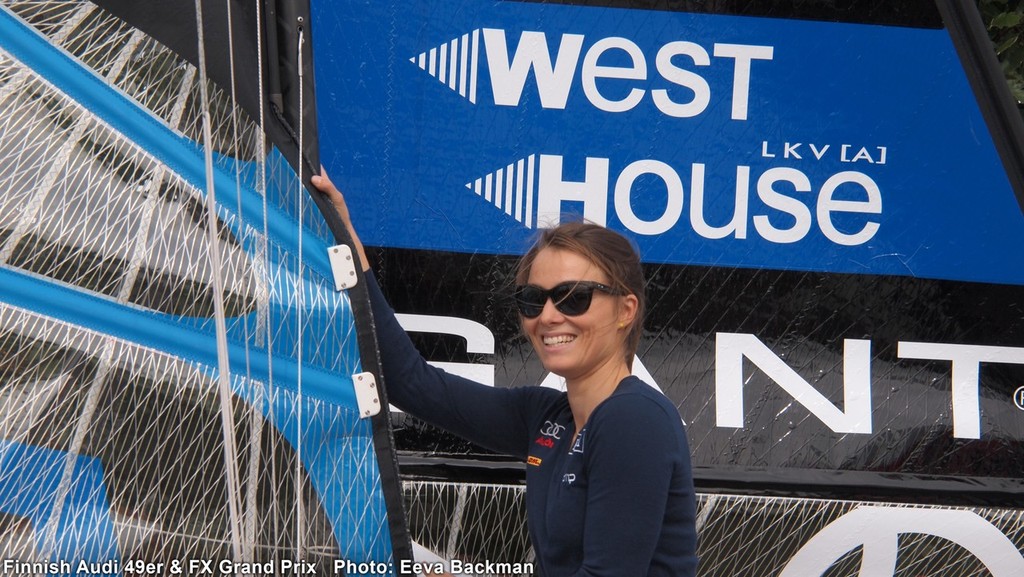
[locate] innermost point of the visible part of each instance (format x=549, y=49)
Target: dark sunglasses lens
x=572, y=300
x=530, y=301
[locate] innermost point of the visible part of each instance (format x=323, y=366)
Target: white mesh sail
x=115, y=443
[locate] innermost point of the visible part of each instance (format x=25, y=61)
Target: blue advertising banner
x=709, y=139
x=824, y=210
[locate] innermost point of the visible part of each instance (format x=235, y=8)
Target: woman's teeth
x=559, y=340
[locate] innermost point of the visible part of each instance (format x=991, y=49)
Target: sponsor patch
x=531, y=460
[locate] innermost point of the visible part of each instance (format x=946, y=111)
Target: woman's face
x=576, y=347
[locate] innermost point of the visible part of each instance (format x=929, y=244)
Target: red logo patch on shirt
x=544, y=442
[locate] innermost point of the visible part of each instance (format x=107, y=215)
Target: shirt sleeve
x=634, y=449
x=496, y=418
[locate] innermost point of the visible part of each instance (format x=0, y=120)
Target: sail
x=827, y=198
x=187, y=366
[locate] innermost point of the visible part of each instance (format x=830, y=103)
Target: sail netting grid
x=102, y=236
x=142, y=431
x=474, y=523
x=740, y=536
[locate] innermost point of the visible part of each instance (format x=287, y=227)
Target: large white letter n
x=730, y=350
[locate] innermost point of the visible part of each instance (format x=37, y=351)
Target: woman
x=609, y=487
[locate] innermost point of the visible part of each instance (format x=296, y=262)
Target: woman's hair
x=609, y=251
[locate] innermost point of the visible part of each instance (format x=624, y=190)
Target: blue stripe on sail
x=180, y=154
x=163, y=333
x=29, y=486
x=30, y=477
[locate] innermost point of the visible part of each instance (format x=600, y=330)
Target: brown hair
x=611, y=252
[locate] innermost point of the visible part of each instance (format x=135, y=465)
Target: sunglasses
x=571, y=298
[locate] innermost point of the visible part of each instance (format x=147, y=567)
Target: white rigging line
x=255, y=416
x=262, y=317
x=217, y=272
x=300, y=306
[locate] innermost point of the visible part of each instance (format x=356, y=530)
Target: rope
x=223, y=366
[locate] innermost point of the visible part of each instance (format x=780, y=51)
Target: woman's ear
x=628, y=305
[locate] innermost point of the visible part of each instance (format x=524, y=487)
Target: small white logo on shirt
x=552, y=429
x=577, y=447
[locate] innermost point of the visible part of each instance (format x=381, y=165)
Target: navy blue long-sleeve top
x=617, y=500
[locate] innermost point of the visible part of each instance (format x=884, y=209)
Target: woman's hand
x=324, y=185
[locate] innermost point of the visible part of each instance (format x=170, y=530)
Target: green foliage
x=1005, y=22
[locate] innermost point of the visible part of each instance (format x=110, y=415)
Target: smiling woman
x=609, y=480
x=610, y=253
x=587, y=346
